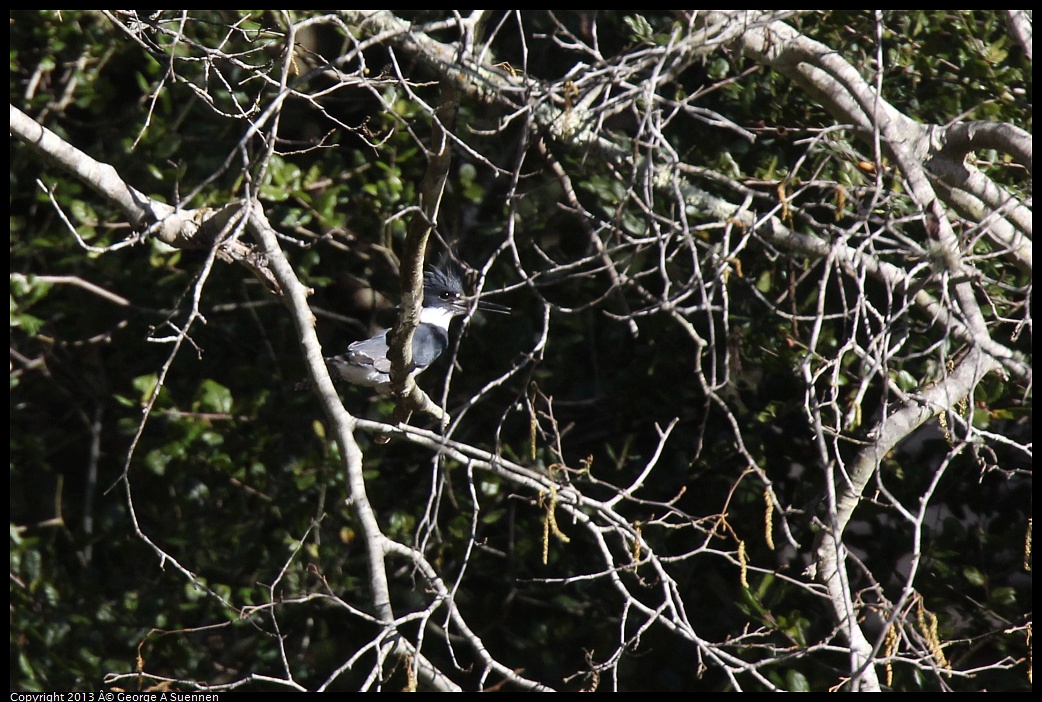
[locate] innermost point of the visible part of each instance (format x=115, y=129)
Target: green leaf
x=796, y=681
x=145, y=385
x=213, y=397
x=764, y=282
x=974, y=576
x=640, y=28
x=905, y=380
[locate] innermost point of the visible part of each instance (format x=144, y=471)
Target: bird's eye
x=446, y=295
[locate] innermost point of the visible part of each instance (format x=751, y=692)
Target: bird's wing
x=371, y=352
x=427, y=344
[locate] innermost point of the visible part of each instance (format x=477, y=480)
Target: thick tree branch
x=181, y=228
x=343, y=426
x=423, y=221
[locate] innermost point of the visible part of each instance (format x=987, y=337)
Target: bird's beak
x=491, y=307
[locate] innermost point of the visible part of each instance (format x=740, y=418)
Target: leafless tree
x=917, y=265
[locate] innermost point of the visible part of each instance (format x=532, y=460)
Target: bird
x=366, y=363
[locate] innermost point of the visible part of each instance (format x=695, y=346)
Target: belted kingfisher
x=366, y=362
